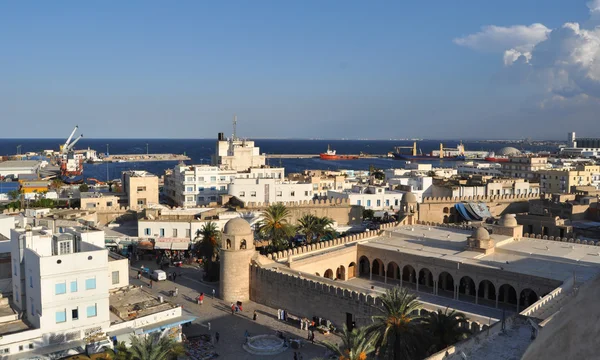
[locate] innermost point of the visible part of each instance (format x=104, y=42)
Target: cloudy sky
x=327, y=69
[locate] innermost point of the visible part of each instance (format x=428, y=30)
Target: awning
x=159, y=326
x=145, y=245
x=172, y=244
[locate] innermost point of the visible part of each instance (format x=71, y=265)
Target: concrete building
x=141, y=188
x=584, y=147
x=97, y=200
x=270, y=190
x=511, y=187
x=322, y=181
x=14, y=168
x=525, y=167
x=487, y=169
x=562, y=181
x=370, y=197
x=420, y=185
x=198, y=185
x=237, y=154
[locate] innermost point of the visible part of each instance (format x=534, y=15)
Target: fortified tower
x=236, y=253
x=409, y=208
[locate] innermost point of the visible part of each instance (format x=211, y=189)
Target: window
x=200, y=198
x=201, y=188
x=189, y=188
x=60, y=288
x=20, y=347
x=188, y=233
x=31, y=346
x=108, y=203
x=162, y=232
x=74, y=286
x=223, y=178
x=148, y=231
x=190, y=178
x=387, y=202
x=75, y=314
x=279, y=193
x=31, y=282
x=315, y=186
x=61, y=316
x=91, y=310
x=90, y=284
x=306, y=193
x=368, y=202
x=213, y=188
x=358, y=202
x=213, y=198
x=64, y=247
x=222, y=188
x=115, y=277
x=293, y=193
x=5, y=351
x=242, y=193
x=141, y=188
x=141, y=201
x=174, y=232
x=189, y=198
x=253, y=193
x=201, y=178
x=378, y=202
x=213, y=179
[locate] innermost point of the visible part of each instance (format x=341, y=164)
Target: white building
x=370, y=197
x=196, y=185
x=237, y=154
x=14, y=168
x=421, y=186
x=270, y=190
x=473, y=168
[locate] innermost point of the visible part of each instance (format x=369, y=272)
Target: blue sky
x=328, y=69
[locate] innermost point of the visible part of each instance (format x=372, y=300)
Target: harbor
x=314, y=156
x=143, y=157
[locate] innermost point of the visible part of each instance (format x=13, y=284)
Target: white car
x=159, y=275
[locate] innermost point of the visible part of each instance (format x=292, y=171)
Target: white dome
x=508, y=220
x=508, y=151
x=409, y=198
x=237, y=226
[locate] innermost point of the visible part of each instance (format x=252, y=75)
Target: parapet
x=481, y=198
x=304, y=203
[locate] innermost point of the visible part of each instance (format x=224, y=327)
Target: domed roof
x=508, y=220
x=409, y=198
x=506, y=151
x=480, y=234
x=237, y=226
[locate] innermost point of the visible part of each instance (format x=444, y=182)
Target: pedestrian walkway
x=230, y=327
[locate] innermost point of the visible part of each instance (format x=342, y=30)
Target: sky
x=302, y=69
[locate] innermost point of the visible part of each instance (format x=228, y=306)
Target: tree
x=208, y=248
x=149, y=349
x=368, y=214
x=356, y=344
x=398, y=333
x=84, y=188
x=325, y=228
x=56, y=184
x=445, y=328
x=14, y=194
x=274, y=226
x=308, y=226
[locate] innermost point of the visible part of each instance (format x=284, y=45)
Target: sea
x=201, y=150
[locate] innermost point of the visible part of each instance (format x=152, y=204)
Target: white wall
x=122, y=267
x=6, y=224
x=270, y=190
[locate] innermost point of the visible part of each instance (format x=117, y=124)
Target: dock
x=314, y=156
x=144, y=157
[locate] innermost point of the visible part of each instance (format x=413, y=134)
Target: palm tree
x=356, y=344
x=325, y=228
x=210, y=243
x=446, y=328
x=148, y=349
x=308, y=226
x=397, y=331
x=275, y=227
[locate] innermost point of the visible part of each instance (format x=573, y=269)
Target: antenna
x=234, y=126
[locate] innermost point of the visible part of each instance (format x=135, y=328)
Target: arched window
x=243, y=245
x=228, y=244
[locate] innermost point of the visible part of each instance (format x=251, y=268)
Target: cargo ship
x=457, y=154
x=496, y=158
x=331, y=155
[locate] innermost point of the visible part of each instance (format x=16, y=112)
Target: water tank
x=221, y=136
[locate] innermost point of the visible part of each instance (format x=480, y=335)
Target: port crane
x=71, y=169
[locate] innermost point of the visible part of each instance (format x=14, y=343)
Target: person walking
x=139, y=274
x=312, y=336
x=295, y=355
x=174, y=275
x=246, y=336
x=217, y=335
x=150, y=284
x=213, y=292
x=232, y=309
x=201, y=298
x=254, y=316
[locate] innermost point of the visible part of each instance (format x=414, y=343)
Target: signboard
x=172, y=244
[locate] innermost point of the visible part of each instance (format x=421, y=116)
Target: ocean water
x=200, y=151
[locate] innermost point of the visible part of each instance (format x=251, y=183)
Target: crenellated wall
x=434, y=209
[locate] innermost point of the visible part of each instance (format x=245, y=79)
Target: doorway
x=349, y=322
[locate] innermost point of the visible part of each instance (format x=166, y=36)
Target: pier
x=314, y=156
x=144, y=157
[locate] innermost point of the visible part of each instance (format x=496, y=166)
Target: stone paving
x=231, y=328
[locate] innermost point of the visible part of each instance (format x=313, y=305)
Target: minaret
x=234, y=137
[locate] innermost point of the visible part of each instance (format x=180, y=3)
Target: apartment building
x=525, y=167
x=267, y=190
x=511, y=187
x=561, y=181
x=370, y=197
x=322, y=181
x=141, y=188
x=237, y=154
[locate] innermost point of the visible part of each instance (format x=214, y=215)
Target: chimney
x=221, y=136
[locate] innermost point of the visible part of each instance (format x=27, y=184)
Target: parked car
x=159, y=275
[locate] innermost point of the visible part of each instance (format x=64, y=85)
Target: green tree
x=14, y=194
x=368, y=214
x=325, y=228
x=84, y=188
x=398, y=333
x=308, y=226
x=356, y=344
x=445, y=328
x=208, y=243
x=275, y=227
x=56, y=184
x=149, y=349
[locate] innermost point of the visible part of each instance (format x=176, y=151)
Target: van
x=159, y=275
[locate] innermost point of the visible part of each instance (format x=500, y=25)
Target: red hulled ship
x=331, y=155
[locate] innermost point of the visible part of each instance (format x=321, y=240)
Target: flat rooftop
x=13, y=164
x=132, y=302
x=547, y=259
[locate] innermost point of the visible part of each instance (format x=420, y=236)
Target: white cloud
x=566, y=60
x=500, y=38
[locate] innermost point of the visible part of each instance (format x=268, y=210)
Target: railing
x=565, y=287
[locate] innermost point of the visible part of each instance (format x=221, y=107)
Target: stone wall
x=433, y=209
x=308, y=298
